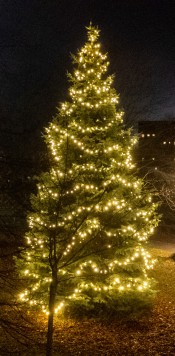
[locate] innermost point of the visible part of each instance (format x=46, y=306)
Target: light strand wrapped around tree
x=91, y=215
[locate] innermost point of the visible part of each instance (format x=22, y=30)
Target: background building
x=156, y=145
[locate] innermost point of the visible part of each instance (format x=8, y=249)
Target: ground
x=151, y=334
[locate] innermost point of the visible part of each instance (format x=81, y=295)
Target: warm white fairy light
x=78, y=201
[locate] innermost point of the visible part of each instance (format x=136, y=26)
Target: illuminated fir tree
x=91, y=215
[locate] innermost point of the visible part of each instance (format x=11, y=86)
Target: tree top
x=92, y=32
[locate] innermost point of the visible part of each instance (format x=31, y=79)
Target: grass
x=151, y=334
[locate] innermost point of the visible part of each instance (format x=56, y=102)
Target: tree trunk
x=53, y=289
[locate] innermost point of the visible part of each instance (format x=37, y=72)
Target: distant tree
x=91, y=216
x=163, y=183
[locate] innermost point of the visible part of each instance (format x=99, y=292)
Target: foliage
x=99, y=336
x=91, y=216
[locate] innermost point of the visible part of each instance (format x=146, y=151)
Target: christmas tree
x=91, y=217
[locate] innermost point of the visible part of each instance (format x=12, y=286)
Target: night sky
x=37, y=37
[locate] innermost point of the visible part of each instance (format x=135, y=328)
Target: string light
x=89, y=203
